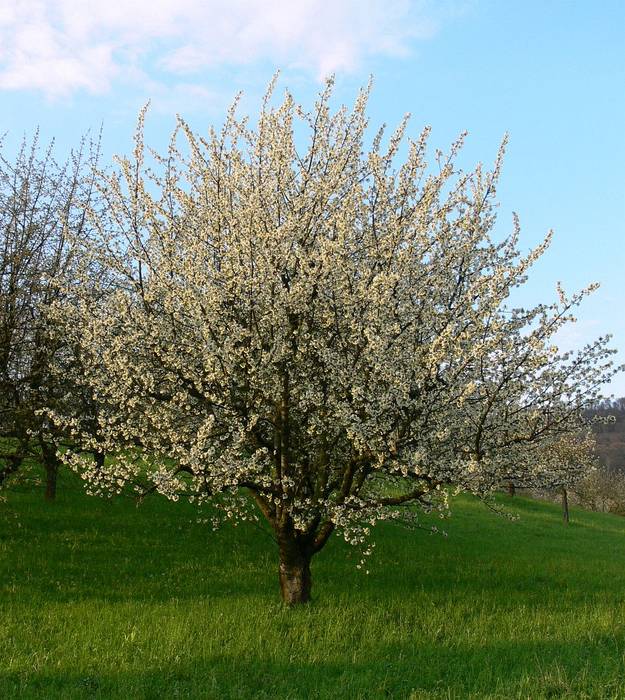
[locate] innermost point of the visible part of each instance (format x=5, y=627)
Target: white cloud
x=60, y=46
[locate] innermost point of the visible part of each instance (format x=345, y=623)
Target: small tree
x=319, y=329
x=567, y=462
x=558, y=465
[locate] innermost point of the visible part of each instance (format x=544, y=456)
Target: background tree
x=568, y=462
x=323, y=329
x=40, y=202
x=602, y=490
x=562, y=465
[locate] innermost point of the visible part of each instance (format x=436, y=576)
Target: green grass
x=101, y=599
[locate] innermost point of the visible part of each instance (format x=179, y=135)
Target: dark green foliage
x=101, y=599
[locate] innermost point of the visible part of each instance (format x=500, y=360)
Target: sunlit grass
x=101, y=599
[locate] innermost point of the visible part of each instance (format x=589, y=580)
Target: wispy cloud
x=62, y=46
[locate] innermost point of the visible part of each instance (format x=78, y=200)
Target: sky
x=550, y=73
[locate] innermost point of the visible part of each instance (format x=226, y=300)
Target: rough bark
x=294, y=571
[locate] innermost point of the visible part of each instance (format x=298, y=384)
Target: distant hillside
x=611, y=435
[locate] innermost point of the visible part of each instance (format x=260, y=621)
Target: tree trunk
x=52, y=470
x=565, y=506
x=51, y=466
x=99, y=460
x=294, y=572
x=511, y=489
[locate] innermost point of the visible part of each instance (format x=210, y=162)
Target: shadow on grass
x=416, y=670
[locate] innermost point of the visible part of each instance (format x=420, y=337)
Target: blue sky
x=551, y=73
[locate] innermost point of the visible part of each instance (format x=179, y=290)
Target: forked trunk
x=294, y=573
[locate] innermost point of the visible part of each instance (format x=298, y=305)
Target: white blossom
x=325, y=329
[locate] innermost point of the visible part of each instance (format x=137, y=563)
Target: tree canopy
x=323, y=329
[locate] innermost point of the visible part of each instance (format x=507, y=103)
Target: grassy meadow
x=104, y=599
